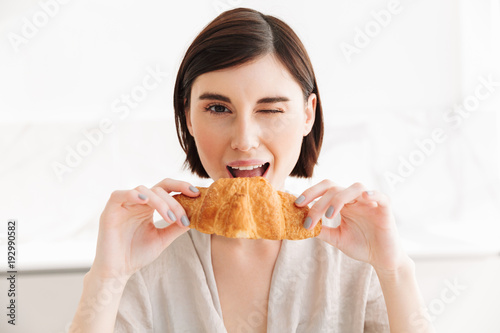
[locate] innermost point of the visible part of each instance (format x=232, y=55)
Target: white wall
x=67, y=76
x=462, y=296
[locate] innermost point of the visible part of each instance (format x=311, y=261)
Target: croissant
x=246, y=207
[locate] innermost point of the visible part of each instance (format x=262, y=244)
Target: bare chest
x=243, y=286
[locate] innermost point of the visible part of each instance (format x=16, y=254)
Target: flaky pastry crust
x=247, y=207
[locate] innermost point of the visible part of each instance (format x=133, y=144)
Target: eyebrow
x=265, y=100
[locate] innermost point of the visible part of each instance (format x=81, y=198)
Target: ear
x=310, y=113
x=187, y=114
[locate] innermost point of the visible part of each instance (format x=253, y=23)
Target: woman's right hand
x=128, y=240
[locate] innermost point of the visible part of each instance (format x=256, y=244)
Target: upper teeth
x=250, y=167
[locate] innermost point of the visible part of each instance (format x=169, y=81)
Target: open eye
x=216, y=109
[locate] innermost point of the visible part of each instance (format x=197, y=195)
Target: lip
x=247, y=163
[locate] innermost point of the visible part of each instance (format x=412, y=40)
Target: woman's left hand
x=367, y=231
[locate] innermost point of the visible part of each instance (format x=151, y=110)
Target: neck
x=247, y=246
x=281, y=187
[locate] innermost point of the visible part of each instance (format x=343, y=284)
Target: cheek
x=288, y=129
x=285, y=137
x=208, y=139
x=278, y=127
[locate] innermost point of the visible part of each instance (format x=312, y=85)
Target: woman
x=246, y=96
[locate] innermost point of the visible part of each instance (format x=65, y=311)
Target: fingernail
x=329, y=212
x=369, y=192
x=185, y=221
x=171, y=215
x=308, y=222
x=300, y=199
x=142, y=196
x=193, y=189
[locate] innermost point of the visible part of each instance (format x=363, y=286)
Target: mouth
x=248, y=171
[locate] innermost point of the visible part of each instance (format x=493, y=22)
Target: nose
x=245, y=134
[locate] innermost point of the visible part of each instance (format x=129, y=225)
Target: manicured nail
x=171, y=215
x=329, y=212
x=193, y=189
x=369, y=192
x=300, y=199
x=142, y=196
x=185, y=220
x=308, y=222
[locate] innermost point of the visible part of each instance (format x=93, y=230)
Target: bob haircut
x=234, y=38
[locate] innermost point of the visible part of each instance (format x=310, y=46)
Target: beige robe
x=314, y=288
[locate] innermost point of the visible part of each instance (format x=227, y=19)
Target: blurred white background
x=410, y=93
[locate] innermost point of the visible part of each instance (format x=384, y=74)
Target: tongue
x=249, y=173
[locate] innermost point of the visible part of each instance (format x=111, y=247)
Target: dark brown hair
x=233, y=38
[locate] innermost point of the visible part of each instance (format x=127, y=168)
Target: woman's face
x=251, y=116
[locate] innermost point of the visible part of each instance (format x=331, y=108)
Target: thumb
x=331, y=229
x=170, y=233
x=330, y=235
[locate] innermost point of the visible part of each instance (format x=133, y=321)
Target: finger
x=333, y=203
x=172, y=185
x=138, y=195
x=175, y=211
x=349, y=196
x=375, y=198
x=143, y=196
x=153, y=198
x=314, y=192
x=130, y=197
x=330, y=235
x=170, y=233
x=321, y=207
